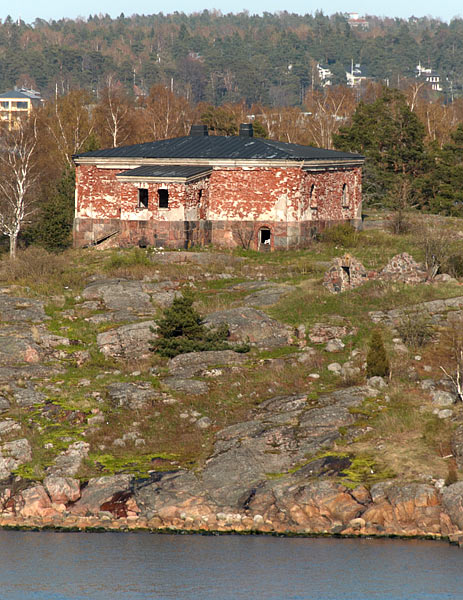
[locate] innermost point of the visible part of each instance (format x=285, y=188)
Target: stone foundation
x=185, y=234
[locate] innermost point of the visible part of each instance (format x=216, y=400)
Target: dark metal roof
x=20, y=95
x=220, y=147
x=166, y=171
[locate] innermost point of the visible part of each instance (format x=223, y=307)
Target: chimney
x=246, y=130
x=199, y=131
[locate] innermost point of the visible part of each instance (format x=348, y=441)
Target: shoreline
x=92, y=525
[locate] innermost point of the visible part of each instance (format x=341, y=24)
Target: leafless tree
x=454, y=373
x=114, y=113
x=18, y=177
x=68, y=123
x=244, y=233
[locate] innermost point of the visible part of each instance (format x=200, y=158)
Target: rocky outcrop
x=12, y=455
x=437, y=310
x=68, y=463
x=128, y=341
x=129, y=298
x=131, y=395
x=248, y=324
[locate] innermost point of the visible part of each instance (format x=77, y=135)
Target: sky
x=29, y=10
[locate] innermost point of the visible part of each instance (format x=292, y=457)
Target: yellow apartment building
x=18, y=103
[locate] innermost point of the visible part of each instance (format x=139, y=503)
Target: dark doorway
x=265, y=239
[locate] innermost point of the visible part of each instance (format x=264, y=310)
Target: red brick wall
x=255, y=194
x=235, y=204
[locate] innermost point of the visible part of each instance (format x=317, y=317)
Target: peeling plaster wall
x=258, y=194
x=227, y=208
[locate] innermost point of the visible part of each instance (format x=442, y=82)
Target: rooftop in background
x=22, y=93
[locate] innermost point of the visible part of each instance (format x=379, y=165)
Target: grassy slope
x=398, y=435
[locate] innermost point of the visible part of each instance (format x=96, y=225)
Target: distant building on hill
x=355, y=76
x=357, y=22
x=325, y=75
x=430, y=76
x=18, y=103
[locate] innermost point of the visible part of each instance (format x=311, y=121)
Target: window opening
x=142, y=198
x=345, y=198
x=163, y=198
x=200, y=195
x=313, y=197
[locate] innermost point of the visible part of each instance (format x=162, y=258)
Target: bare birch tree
x=18, y=177
x=68, y=123
x=454, y=340
x=114, y=114
x=164, y=114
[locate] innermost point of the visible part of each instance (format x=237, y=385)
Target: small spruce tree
x=181, y=329
x=377, y=360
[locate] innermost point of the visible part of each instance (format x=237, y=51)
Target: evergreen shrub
x=377, y=360
x=181, y=329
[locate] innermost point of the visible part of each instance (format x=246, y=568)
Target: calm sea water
x=110, y=566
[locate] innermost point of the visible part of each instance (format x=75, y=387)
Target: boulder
x=452, y=500
x=8, y=426
x=18, y=344
x=27, y=396
x=36, y=503
x=101, y=490
x=441, y=398
x=12, y=455
x=128, y=341
x=320, y=333
x=62, y=490
x=377, y=382
x=248, y=324
x=134, y=396
x=335, y=345
x=68, y=463
x=186, y=386
x=129, y=296
x=193, y=363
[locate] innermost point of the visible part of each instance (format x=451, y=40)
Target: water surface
x=115, y=566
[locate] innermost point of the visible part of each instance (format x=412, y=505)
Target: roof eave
x=114, y=162
x=171, y=179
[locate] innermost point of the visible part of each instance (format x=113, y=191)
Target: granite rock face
x=131, y=395
x=130, y=298
x=195, y=363
x=12, y=455
x=249, y=324
x=128, y=341
x=68, y=463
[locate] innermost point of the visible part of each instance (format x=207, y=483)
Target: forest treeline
x=112, y=82
x=215, y=58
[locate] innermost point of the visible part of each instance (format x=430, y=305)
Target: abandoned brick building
x=226, y=191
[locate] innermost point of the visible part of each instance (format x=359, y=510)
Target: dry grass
x=43, y=272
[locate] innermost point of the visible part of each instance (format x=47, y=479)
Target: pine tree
x=54, y=226
x=181, y=329
x=391, y=137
